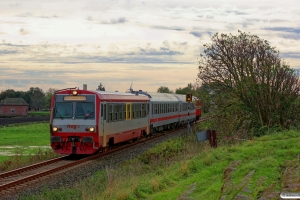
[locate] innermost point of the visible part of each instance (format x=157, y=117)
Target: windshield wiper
x=88, y=115
x=58, y=114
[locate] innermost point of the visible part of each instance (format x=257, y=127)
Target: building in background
x=12, y=107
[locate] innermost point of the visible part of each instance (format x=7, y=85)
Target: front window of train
x=85, y=110
x=63, y=110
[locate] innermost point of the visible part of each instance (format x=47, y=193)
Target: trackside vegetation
x=183, y=168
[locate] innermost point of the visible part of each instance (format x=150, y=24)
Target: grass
x=38, y=113
x=33, y=134
x=4, y=158
x=24, y=144
x=182, y=168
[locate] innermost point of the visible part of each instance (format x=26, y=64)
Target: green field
x=33, y=134
x=23, y=144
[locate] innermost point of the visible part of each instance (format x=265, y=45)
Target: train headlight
x=74, y=92
x=55, y=129
x=92, y=129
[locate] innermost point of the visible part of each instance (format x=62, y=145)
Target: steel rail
x=31, y=167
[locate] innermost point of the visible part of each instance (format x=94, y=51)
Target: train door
x=128, y=111
x=102, y=123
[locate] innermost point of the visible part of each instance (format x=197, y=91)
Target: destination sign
x=74, y=98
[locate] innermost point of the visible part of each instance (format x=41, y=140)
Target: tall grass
x=21, y=160
x=183, y=168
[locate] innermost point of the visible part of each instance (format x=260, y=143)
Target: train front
x=73, y=122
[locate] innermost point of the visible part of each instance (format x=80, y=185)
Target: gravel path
x=79, y=174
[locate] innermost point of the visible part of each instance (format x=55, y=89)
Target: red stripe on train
x=169, y=117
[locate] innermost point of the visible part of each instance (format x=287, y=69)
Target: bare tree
x=251, y=70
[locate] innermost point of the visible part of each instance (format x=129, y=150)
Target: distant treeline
x=36, y=98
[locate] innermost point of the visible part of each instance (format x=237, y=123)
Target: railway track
x=18, y=179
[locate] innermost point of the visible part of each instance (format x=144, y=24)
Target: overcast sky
x=59, y=44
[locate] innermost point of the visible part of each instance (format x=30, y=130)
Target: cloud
x=176, y=28
x=199, y=34
x=27, y=14
x=290, y=55
x=74, y=35
x=8, y=52
x=23, y=31
x=285, y=29
x=120, y=20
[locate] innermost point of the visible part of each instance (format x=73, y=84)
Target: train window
x=152, y=108
x=128, y=111
x=110, y=113
x=101, y=110
x=120, y=110
x=85, y=110
x=133, y=110
x=139, y=110
x=143, y=114
x=63, y=110
x=124, y=110
x=185, y=107
x=104, y=111
x=115, y=112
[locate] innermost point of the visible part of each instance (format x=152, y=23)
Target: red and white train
x=85, y=121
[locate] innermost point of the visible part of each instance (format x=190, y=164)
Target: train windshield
x=85, y=110
x=63, y=110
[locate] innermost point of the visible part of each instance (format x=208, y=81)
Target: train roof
x=181, y=97
x=162, y=97
x=120, y=96
x=108, y=96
